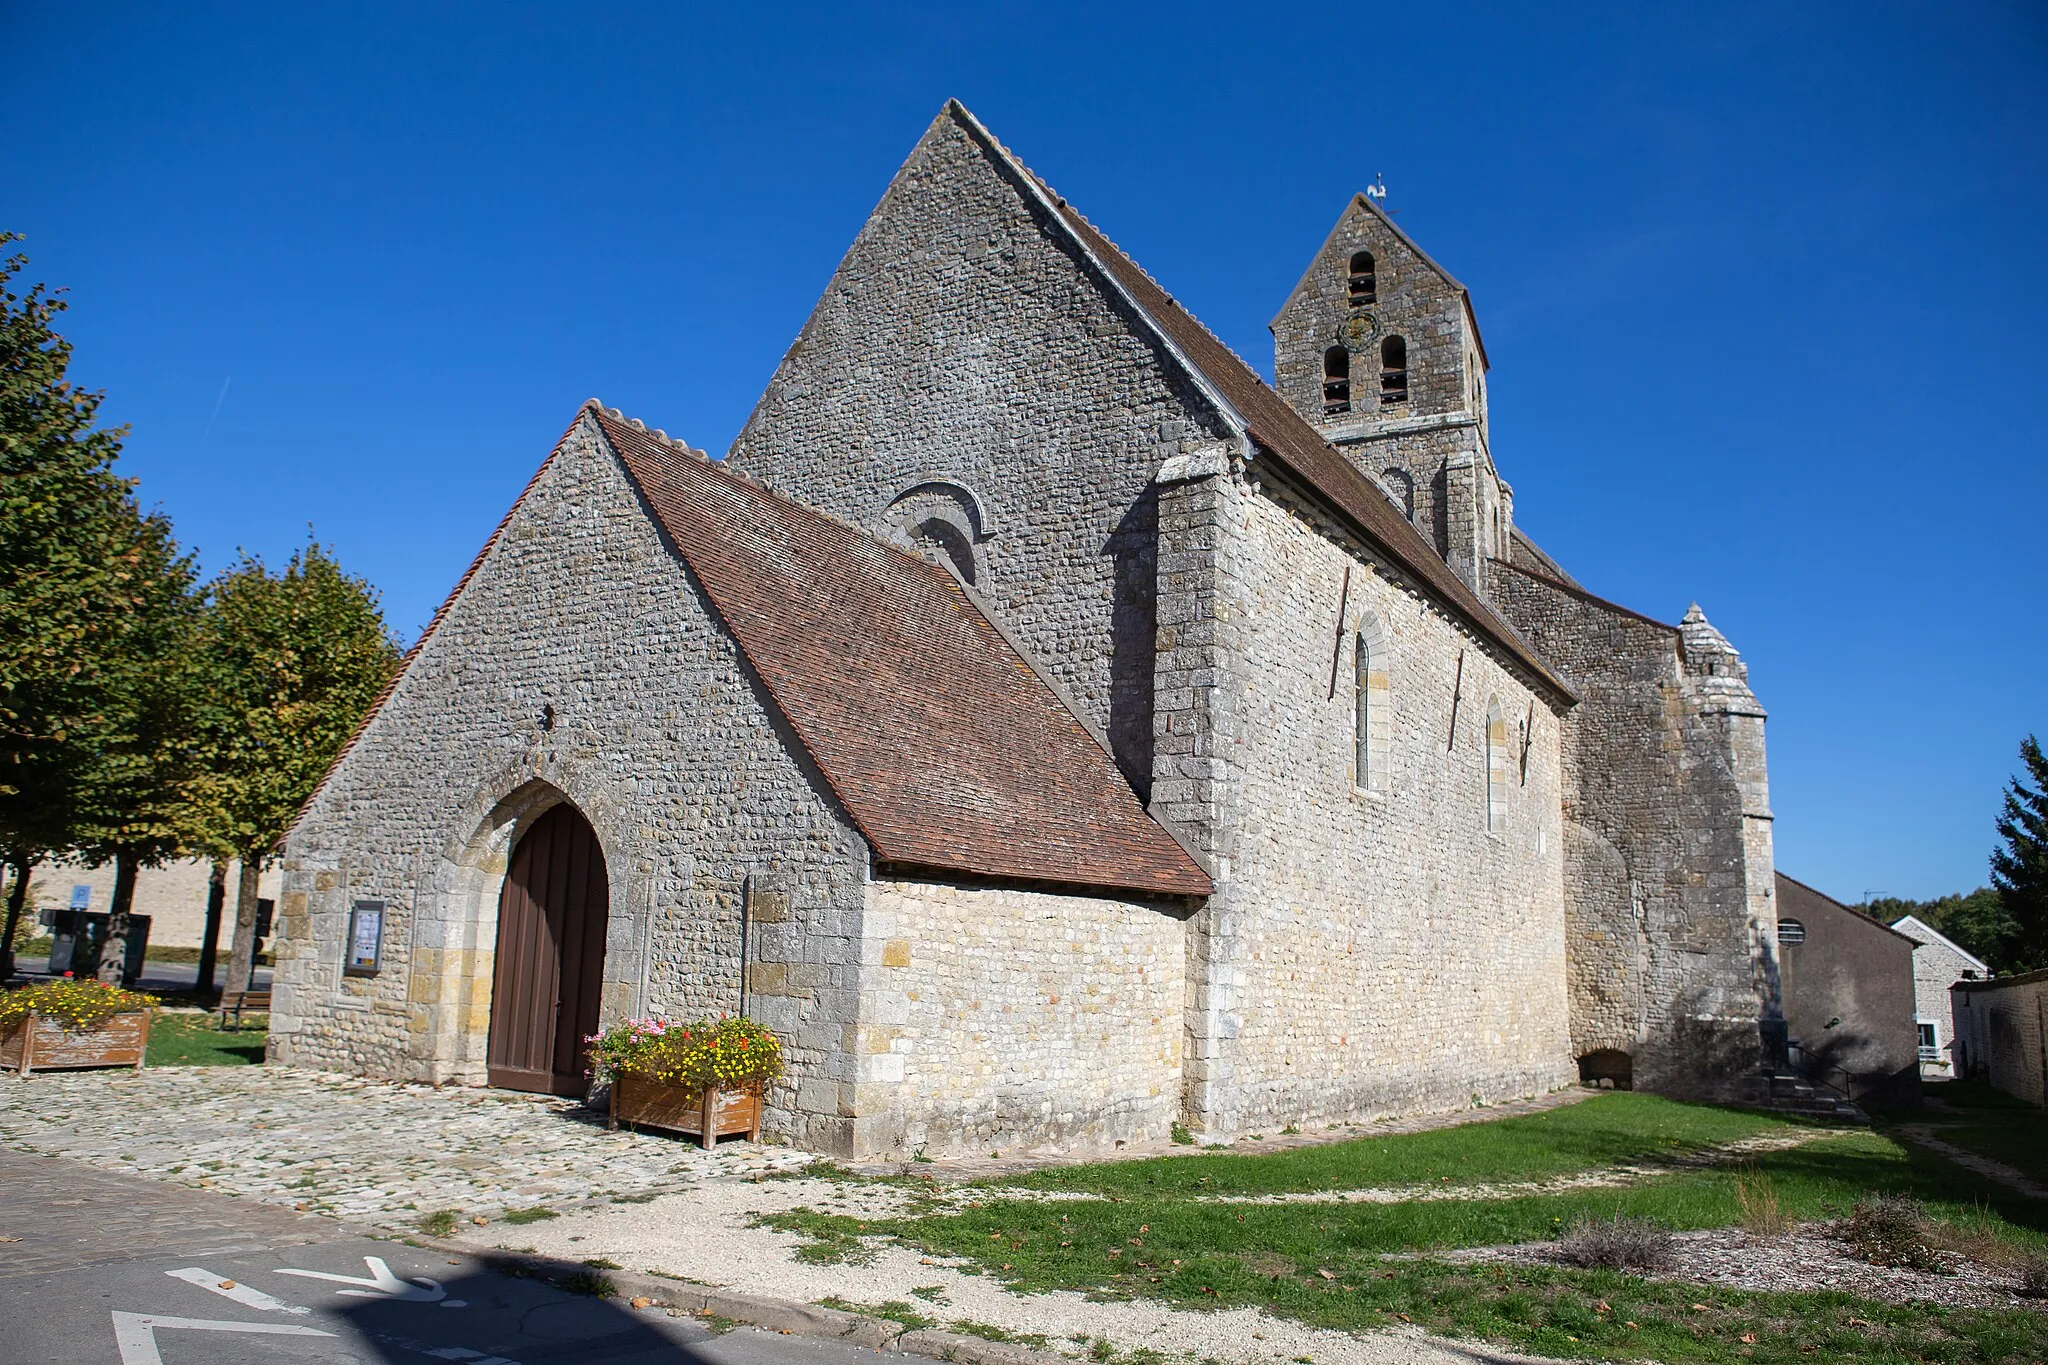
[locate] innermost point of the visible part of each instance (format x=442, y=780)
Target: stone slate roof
x=1276, y=427
x=944, y=745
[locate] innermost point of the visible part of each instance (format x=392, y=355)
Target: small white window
x=1791, y=931
x=1930, y=1049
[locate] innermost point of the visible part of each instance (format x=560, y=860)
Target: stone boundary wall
x=2002, y=1033
x=1001, y=1019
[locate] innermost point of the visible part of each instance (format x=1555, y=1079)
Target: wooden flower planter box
x=708, y=1114
x=40, y=1043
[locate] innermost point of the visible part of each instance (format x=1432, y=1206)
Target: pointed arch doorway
x=550, y=959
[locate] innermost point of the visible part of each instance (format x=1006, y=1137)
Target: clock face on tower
x=1356, y=332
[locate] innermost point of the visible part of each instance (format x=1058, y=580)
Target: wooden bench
x=234, y=1002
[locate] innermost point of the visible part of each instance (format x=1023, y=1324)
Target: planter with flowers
x=75, y=1022
x=702, y=1079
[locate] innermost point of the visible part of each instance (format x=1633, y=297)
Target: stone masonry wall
x=960, y=341
x=1672, y=942
x=662, y=737
x=1365, y=952
x=1414, y=302
x=1004, y=1019
x=1433, y=450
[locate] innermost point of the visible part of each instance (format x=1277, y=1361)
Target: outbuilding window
x=1336, y=381
x=1791, y=931
x=1393, y=371
x=1363, y=284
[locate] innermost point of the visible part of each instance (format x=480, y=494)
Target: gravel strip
x=1807, y=1260
x=706, y=1237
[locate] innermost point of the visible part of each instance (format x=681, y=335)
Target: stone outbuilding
x=1053, y=731
x=1939, y=962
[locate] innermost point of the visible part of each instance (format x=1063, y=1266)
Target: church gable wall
x=1011, y=1020
x=1367, y=951
x=1666, y=963
x=963, y=342
x=580, y=660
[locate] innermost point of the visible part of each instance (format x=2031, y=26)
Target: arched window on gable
x=1336, y=381
x=1393, y=371
x=1372, y=712
x=1499, y=767
x=1363, y=283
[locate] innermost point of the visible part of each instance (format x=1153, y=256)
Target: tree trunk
x=242, y=959
x=17, y=896
x=114, y=952
x=209, y=942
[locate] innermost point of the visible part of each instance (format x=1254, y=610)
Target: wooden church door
x=550, y=961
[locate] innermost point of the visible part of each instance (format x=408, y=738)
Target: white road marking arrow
x=135, y=1333
x=381, y=1284
x=229, y=1289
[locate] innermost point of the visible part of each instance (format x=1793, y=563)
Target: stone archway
x=548, y=970
x=454, y=966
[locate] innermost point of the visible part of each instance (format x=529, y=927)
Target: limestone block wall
x=578, y=662
x=1366, y=951
x=1000, y=1019
x=964, y=341
x=1668, y=853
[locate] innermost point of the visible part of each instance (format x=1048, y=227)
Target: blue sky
x=1761, y=284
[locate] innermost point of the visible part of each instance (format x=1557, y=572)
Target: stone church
x=1053, y=731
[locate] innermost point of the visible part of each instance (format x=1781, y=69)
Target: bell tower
x=1379, y=349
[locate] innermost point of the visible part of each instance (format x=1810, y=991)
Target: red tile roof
x=945, y=747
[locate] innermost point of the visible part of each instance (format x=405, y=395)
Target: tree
x=1977, y=921
x=293, y=661
x=132, y=786
x=2019, y=870
x=66, y=541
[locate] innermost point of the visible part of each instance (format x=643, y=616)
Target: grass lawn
x=1152, y=1234
x=194, y=1040
x=1988, y=1122
x=1611, y=1130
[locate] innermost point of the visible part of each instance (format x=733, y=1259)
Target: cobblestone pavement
x=377, y=1152
x=58, y=1215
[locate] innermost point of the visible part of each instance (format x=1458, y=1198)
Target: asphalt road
x=157, y=976
x=103, y=1269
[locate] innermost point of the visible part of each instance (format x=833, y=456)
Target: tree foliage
x=95, y=614
x=292, y=662
x=1976, y=921
x=2019, y=869
x=65, y=569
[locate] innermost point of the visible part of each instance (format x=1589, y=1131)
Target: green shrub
x=1891, y=1230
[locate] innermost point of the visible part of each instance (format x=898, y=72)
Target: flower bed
x=704, y=1079
x=72, y=1023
